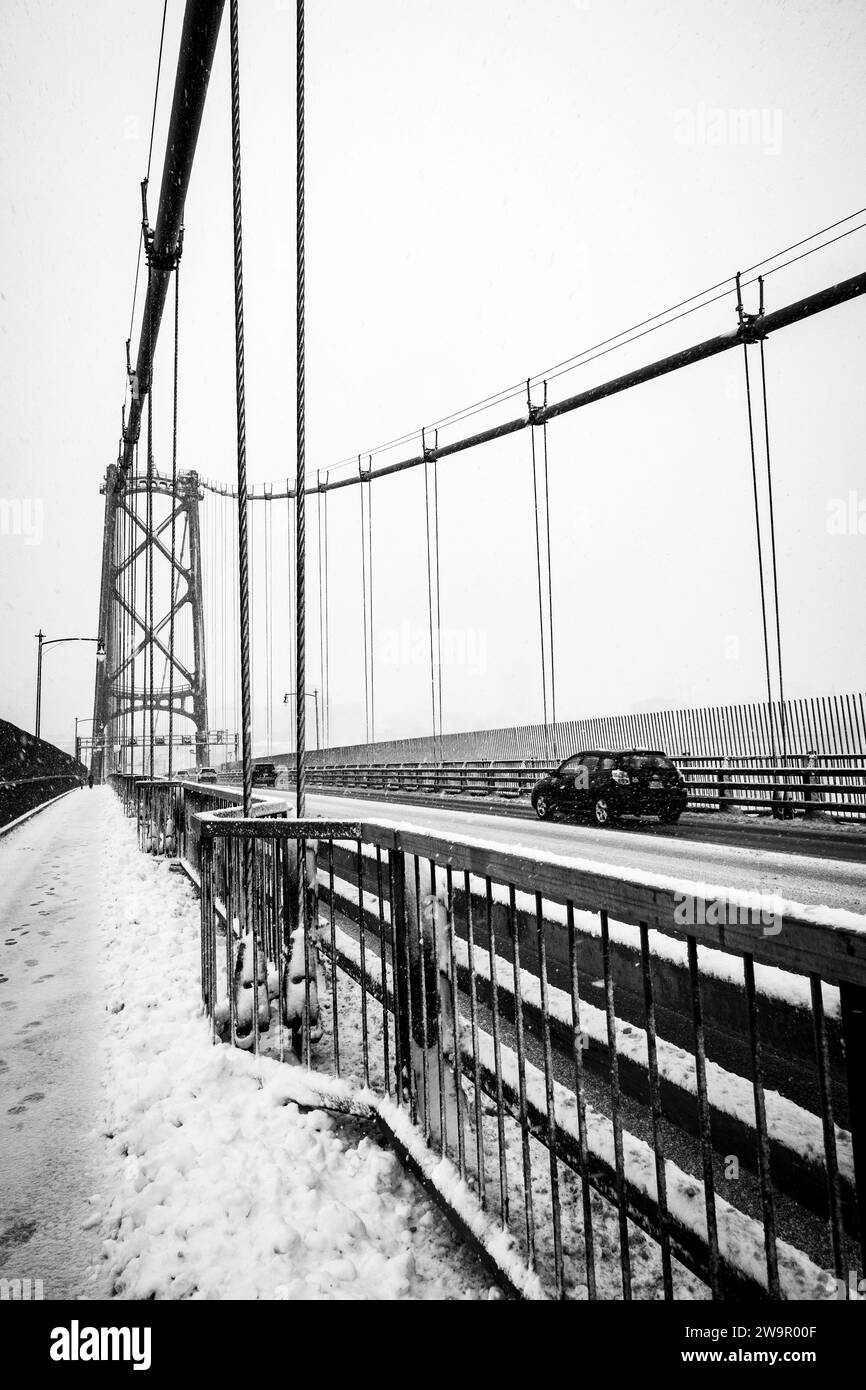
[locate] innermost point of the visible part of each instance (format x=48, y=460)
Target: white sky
x=491, y=188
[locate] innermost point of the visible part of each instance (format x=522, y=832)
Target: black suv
x=605, y=786
x=264, y=775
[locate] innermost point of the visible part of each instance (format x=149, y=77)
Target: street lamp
x=311, y=695
x=53, y=642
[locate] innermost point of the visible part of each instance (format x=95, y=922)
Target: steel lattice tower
x=125, y=631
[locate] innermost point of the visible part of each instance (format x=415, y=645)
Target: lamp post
x=53, y=642
x=311, y=695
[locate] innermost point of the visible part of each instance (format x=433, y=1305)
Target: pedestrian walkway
x=141, y=1160
x=52, y=878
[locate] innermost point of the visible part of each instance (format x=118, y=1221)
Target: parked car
x=264, y=775
x=207, y=774
x=606, y=785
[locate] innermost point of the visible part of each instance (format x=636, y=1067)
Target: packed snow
x=160, y=1164
x=225, y=1187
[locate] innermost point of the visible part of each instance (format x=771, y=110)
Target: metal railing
x=837, y=788
x=449, y=986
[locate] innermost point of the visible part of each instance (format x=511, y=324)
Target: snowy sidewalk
x=52, y=878
x=211, y=1184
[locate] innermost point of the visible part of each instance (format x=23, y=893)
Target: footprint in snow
x=22, y=1105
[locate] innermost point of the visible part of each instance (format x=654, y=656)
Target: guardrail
x=783, y=788
x=448, y=986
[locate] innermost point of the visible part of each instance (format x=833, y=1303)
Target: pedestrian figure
x=90, y=780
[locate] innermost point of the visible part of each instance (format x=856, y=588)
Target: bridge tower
x=122, y=692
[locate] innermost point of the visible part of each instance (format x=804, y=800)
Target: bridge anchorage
x=136, y=564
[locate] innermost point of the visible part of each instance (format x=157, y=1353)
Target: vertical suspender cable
x=320, y=559
x=540, y=587
x=429, y=595
x=550, y=588
x=133, y=498
x=364, y=606
x=784, y=722
x=266, y=533
x=149, y=609
x=240, y=396
x=300, y=500
x=173, y=527
x=438, y=591
x=271, y=622
x=290, y=567
x=326, y=694
x=372, y=651
x=760, y=552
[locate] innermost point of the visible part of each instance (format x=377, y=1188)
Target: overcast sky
x=492, y=187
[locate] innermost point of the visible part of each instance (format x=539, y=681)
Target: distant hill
x=31, y=771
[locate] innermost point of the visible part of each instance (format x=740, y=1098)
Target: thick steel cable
x=784, y=728
x=549, y=586
x=265, y=537
x=291, y=576
x=438, y=592
x=270, y=516
x=320, y=560
x=760, y=552
x=430, y=599
x=326, y=693
x=132, y=502
x=364, y=622
x=241, y=412
x=173, y=527
x=372, y=649
x=540, y=593
x=301, y=461
x=150, y=556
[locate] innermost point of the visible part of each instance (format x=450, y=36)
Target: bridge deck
x=124, y=1125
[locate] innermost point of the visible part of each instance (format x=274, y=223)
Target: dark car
x=264, y=775
x=207, y=774
x=606, y=785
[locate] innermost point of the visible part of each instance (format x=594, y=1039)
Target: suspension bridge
x=625, y=1062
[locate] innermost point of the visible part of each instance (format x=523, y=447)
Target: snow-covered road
x=138, y=1159
x=816, y=882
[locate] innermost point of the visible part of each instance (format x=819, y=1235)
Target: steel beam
x=201, y=24
x=801, y=309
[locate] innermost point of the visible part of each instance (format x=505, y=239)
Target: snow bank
x=225, y=1188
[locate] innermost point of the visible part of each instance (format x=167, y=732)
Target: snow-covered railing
x=436, y=1006
x=455, y=1036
